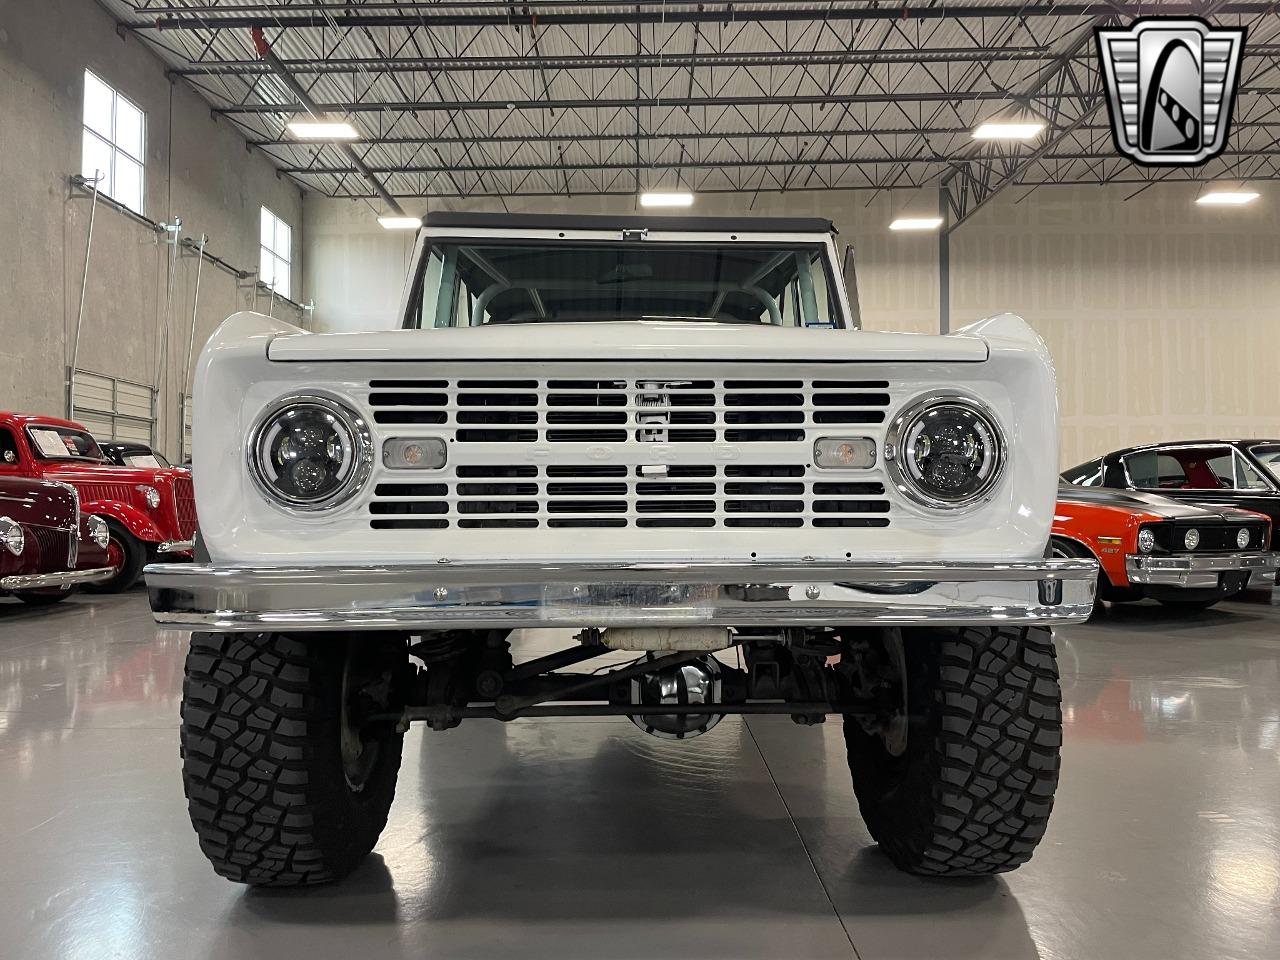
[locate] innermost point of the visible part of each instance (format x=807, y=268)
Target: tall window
x=115, y=137
x=276, y=263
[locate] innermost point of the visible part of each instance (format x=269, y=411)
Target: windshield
x=1269, y=456
x=143, y=459
x=477, y=283
x=63, y=443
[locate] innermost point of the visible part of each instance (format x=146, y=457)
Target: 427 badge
x=1171, y=84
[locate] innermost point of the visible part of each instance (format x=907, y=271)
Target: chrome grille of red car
x=123, y=492
x=185, y=497
x=55, y=549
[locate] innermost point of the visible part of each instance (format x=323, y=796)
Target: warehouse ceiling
x=544, y=99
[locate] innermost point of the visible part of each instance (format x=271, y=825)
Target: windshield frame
x=838, y=298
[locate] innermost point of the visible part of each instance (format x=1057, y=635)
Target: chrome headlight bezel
x=150, y=494
x=12, y=536
x=899, y=433
x=99, y=532
x=361, y=453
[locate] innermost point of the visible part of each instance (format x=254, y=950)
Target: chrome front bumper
x=62, y=578
x=175, y=546
x=1199, y=572
x=508, y=595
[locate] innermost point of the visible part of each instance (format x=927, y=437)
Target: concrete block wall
x=197, y=168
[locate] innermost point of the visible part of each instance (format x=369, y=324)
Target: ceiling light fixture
x=659, y=198
x=1227, y=198
x=400, y=223
x=323, y=130
x=1008, y=130
x=916, y=223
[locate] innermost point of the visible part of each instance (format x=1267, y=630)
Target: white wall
x=1163, y=316
x=196, y=168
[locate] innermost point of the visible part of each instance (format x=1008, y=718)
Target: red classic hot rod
x=149, y=512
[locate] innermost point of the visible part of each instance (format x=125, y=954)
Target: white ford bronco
x=664, y=436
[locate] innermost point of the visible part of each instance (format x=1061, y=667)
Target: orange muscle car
x=1149, y=546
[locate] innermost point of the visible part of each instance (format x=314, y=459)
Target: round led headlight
x=1192, y=539
x=310, y=453
x=1146, y=540
x=99, y=533
x=1242, y=538
x=945, y=452
x=11, y=536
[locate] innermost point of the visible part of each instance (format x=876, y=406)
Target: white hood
x=630, y=341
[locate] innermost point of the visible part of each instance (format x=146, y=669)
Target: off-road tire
x=971, y=792
x=132, y=554
x=262, y=763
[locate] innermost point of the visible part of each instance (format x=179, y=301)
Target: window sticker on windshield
x=52, y=444
x=143, y=460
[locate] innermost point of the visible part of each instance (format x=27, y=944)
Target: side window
x=1143, y=468
x=1150, y=470
x=821, y=293
x=1247, y=478
x=423, y=308
x=1086, y=475
x=1223, y=469
x=9, y=456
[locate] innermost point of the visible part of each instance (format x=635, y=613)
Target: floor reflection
x=588, y=839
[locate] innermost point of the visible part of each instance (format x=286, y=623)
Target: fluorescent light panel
x=660, y=198
x=400, y=223
x=1227, y=198
x=916, y=223
x=323, y=130
x=1007, y=130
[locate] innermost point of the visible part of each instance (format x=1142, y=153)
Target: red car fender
x=131, y=518
x=1108, y=533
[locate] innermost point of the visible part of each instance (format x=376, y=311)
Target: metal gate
x=113, y=408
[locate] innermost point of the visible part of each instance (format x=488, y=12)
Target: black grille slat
x=762, y=489
x=410, y=416
x=470, y=472
x=408, y=399
x=848, y=416
x=497, y=436
x=507, y=417
x=586, y=471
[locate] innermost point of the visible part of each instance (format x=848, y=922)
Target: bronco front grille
x=508, y=470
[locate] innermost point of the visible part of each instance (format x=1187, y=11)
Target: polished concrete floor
x=559, y=838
